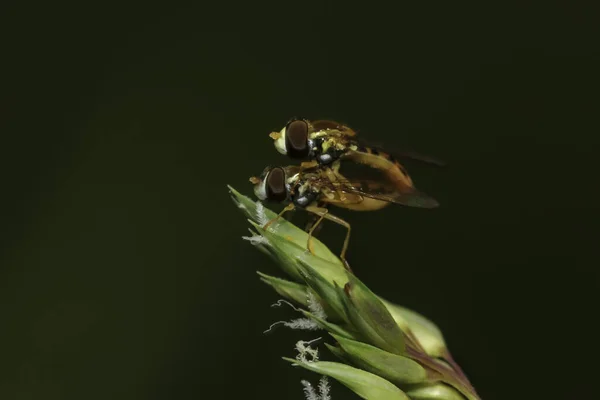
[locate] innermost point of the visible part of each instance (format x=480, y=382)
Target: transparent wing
x=399, y=154
x=329, y=124
x=379, y=190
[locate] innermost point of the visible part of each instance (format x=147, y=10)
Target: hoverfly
x=325, y=142
x=316, y=188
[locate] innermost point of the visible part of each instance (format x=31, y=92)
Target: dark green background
x=123, y=274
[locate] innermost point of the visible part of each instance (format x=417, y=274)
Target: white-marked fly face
x=271, y=185
x=293, y=139
x=279, y=138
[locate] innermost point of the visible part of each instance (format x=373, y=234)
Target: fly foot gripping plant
x=385, y=351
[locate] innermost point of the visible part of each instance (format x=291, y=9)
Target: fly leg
x=323, y=213
x=309, y=245
x=312, y=218
x=287, y=208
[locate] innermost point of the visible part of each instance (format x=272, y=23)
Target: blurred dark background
x=123, y=274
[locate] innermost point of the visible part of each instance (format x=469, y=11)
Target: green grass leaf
x=363, y=383
x=434, y=391
x=427, y=333
x=371, y=318
x=395, y=368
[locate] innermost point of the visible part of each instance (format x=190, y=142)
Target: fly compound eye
x=296, y=139
x=275, y=188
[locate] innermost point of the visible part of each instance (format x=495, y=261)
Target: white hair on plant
x=298, y=323
x=311, y=394
x=256, y=239
x=324, y=388
x=314, y=306
x=261, y=216
x=307, y=354
x=309, y=391
x=281, y=302
x=306, y=324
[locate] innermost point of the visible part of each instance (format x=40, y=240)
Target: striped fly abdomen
x=382, y=161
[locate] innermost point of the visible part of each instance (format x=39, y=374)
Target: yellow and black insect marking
x=383, y=161
x=316, y=183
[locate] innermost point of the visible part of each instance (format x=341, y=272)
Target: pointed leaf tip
x=395, y=368
x=371, y=318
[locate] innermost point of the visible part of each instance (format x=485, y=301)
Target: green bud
x=426, y=332
x=434, y=391
x=363, y=383
x=395, y=368
x=290, y=290
x=369, y=316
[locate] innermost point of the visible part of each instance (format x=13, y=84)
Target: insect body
x=325, y=143
x=315, y=189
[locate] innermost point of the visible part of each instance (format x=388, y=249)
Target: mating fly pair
x=316, y=183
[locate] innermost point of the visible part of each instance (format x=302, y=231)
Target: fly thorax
x=316, y=145
x=303, y=195
x=319, y=134
x=304, y=200
x=329, y=151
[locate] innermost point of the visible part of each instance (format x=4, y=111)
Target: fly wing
x=410, y=197
x=420, y=157
x=404, y=153
x=407, y=196
x=322, y=124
